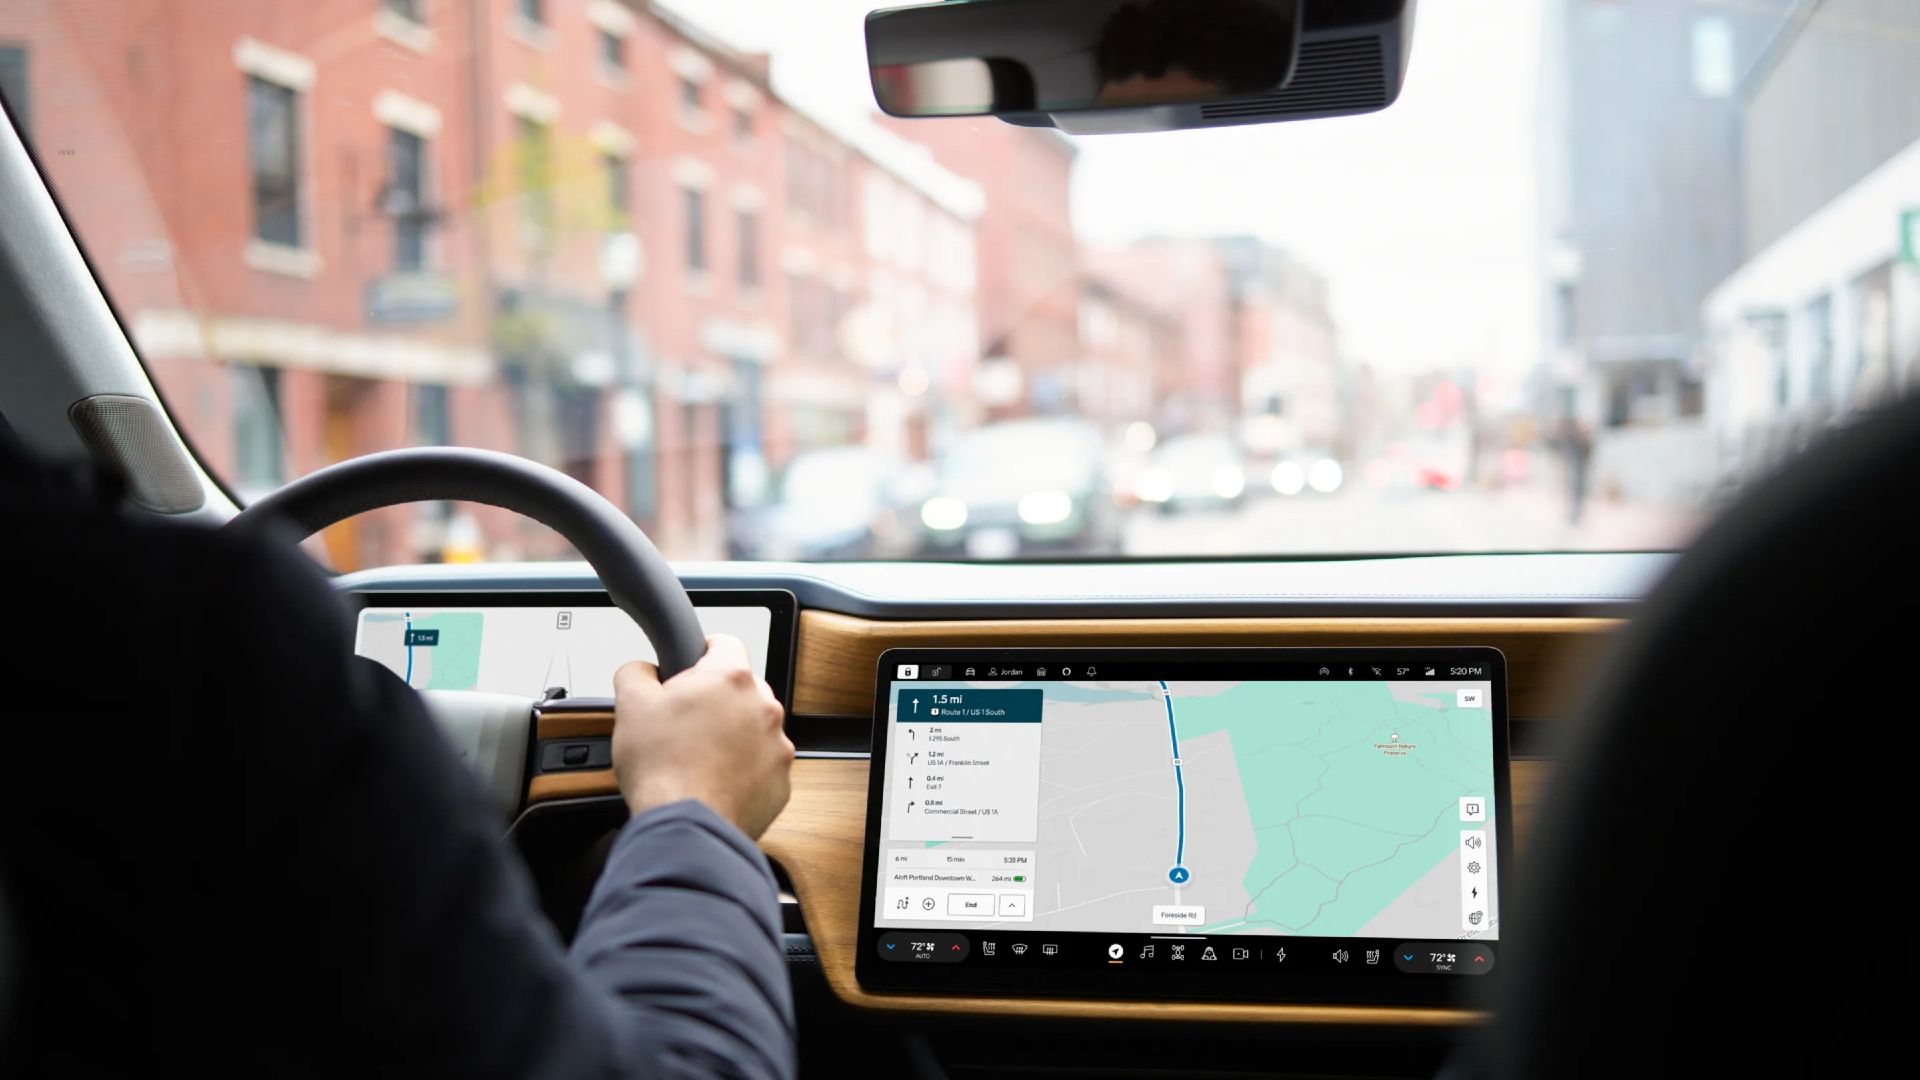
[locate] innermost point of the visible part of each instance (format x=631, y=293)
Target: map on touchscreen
x=1328, y=809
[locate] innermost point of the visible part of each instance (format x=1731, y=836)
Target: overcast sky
x=1423, y=216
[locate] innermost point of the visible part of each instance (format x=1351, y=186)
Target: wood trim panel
x=574, y=725
x=571, y=785
x=817, y=840
x=837, y=654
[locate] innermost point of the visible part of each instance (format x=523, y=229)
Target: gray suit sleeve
x=683, y=932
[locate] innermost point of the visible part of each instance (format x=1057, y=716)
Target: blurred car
x=1021, y=486
x=846, y=502
x=1193, y=472
x=1441, y=462
x=1306, y=472
x=1435, y=462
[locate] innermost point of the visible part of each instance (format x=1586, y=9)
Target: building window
x=1820, y=344
x=797, y=173
x=414, y=11
x=796, y=310
x=273, y=141
x=813, y=184
x=617, y=190
x=534, y=149
x=407, y=198
x=1873, y=325
x=613, y=51
x=695, y=202
x=433, y=426
x=13, y=84
x=576, y=410
x=1713, y=67
x=839, y=302
x=432, y=422
x=748, y=232
x=259, y=461
x=742, y=126
x=532, y=11
x=814, y=311
x=1564, y=314
x=690, y=103
x=1769, y=329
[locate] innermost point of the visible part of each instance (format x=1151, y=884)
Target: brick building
x=1243, y=340
x=1130, y=342
x=1029, y=304
x=1191, y=378
x=574, y=229
x=1287, y=358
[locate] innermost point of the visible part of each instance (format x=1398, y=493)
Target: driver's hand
x=712, y=733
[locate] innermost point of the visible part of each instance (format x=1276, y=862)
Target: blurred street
x=1364, y=522
x=769, y=322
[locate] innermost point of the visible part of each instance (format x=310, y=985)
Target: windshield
x=821, y=476
x=1602, y=264
x=1023, y=454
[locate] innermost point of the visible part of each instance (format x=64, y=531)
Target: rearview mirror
x=1138, y=65
x=993, y=56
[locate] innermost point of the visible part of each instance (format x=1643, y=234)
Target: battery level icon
x=1019, y=877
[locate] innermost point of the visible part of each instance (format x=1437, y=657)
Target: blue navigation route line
x=408, y=638
x=1178, y=875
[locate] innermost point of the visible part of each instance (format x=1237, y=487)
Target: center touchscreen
x=1277, y=823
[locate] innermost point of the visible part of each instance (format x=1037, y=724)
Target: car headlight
x=1154, y=486
x=1229, y=481
x=943, y=513
x=1325, y=476
x=1045, y=507
x=1289, y=478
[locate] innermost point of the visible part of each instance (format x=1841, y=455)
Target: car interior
x=1494, y=764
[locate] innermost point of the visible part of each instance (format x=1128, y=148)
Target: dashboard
x=1549, y=616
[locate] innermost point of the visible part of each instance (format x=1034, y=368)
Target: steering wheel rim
x=635, y=574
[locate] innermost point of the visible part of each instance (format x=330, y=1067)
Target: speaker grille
x=1346, y=75
x=129, y=435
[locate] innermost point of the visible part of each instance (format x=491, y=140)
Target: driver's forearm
x=684, y=930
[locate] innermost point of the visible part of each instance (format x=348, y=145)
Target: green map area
x=451, y=663
x=1353, y=794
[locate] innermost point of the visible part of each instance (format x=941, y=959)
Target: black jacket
x=227, y=842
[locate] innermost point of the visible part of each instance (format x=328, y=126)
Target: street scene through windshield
x=1602, y=264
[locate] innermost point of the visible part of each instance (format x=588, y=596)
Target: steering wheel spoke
x=490, y=733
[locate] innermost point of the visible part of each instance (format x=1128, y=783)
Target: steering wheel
x=635, y=574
